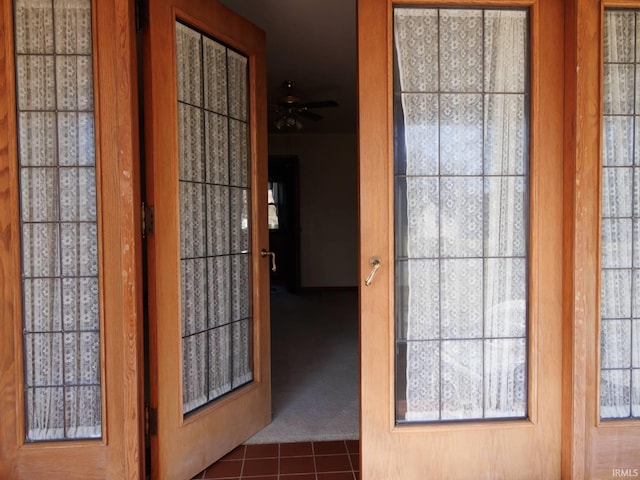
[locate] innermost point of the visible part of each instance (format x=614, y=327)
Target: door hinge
x=150, y=420
x=147, y=215
x=142, y=14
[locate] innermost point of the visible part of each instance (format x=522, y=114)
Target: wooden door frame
x=289, y=166
x=589, y=445
x=119, y=454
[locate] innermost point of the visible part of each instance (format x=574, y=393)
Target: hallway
x=315, y=380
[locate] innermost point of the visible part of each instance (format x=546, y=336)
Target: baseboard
x=328, y=289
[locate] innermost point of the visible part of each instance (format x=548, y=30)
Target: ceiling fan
x=290, y=109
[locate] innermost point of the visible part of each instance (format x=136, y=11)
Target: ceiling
x=312, y=42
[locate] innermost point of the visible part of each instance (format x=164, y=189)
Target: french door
x=449, y=390
x=206, y=158
x=461, y=154
x=70, y=343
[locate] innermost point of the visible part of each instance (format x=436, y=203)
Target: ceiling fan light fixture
x=290, y=109
x=290, y=100
x=279, y=123
x=288, y=122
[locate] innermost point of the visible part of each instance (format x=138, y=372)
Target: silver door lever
x=265, y=253
x=375, y=263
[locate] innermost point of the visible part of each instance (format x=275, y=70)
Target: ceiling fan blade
x=320, y=104
x=303, y=112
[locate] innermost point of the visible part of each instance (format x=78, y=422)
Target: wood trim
x=574, y=352
x=582, y=144
x=117, y=44
x=373, y=151
x=10, y=327
x=471, y=3
x=620, y=4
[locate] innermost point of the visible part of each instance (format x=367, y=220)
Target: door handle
x=375, y=263
x=265, y=253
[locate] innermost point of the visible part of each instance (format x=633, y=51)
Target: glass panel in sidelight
x=59, y=220
x=620, y=243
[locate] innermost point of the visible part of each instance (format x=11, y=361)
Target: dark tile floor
x=336, y=460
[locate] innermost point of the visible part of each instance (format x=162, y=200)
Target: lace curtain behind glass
x=620, y=275
x=461, y=213
x=214, y=218
x=53, y=43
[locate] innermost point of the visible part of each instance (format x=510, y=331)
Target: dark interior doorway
x=284, y=222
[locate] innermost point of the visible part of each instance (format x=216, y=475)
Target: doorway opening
x=284, y=222
x=314, y=232
x=314, y=309
x=315, y=327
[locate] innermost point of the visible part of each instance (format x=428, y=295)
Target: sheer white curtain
x=214, y=218
x=461, y=226
x=620, y=275
x=53, y=42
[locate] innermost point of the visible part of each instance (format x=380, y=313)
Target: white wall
x=328, y=205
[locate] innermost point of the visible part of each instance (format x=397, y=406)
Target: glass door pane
x=59, y=220
x=215, y=216
x=461, y=213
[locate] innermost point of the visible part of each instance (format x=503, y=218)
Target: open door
x=206, y=165
x=461, y=202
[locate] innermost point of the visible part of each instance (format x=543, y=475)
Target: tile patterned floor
x=337, y=460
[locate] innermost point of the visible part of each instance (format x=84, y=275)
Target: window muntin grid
x=215, y=218
x=620, y=255
x=58, y=216
x=461, y=213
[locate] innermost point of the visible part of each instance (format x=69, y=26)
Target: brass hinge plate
x=147, y=220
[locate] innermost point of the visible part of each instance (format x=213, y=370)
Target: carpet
x=315, y=370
